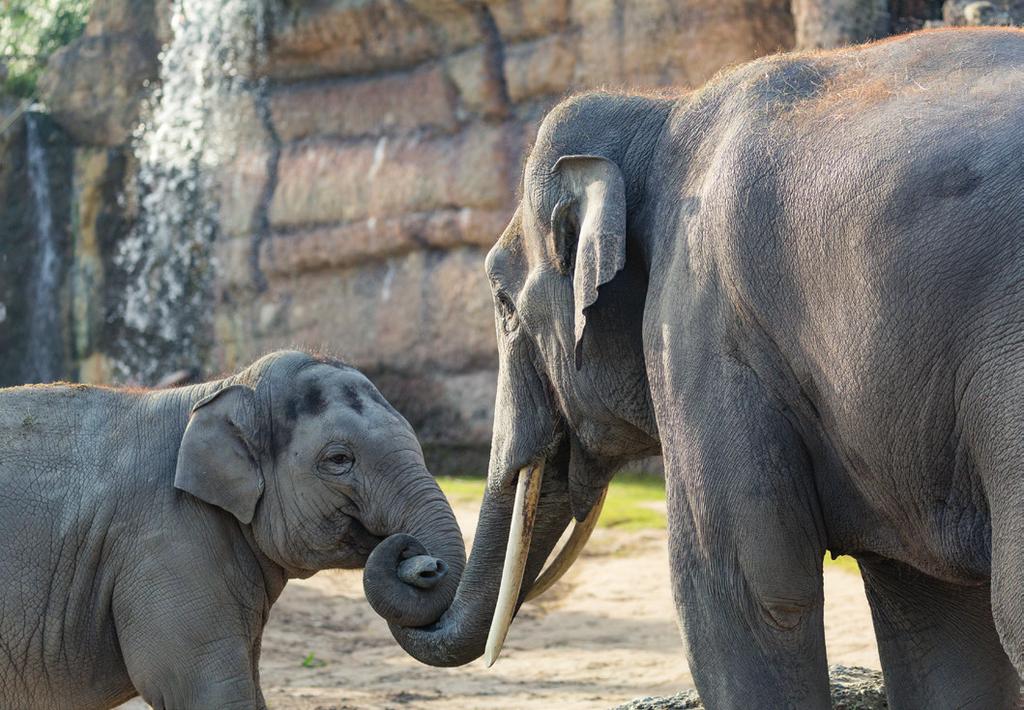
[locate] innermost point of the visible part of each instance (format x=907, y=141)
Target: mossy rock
x=852, y=689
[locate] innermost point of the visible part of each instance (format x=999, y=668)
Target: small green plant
x=311, y=661
x=32, y=30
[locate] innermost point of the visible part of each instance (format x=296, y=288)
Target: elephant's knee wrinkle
x=786, y=613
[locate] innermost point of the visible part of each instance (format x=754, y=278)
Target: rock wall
x=34, y=344
x=376, y=159
x=358, y=215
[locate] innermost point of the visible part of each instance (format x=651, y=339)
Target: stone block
x=342, y=246
x=454, y=409
x=341, y=37
x=416, y=313
x=94, y=86
x=240, y=188
x=135, y=16
x=983, y=13
x=825, y=24
x=539, y=68
x=326, y=181
x=481, y=89
x=663, y=43
x=519, y=20
x=393, y=103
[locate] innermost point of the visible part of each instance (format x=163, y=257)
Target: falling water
x=188, y=133
x=43, y=361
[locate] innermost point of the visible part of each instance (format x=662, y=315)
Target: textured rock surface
x=852, y=689
x=401, y=129
x=21, y=249
x=95, y=86
x=834, y=23
x=378, y=160
x=983, y=12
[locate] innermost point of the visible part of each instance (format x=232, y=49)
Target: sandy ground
x=606, y=634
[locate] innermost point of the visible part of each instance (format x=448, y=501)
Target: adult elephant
x=804, y=285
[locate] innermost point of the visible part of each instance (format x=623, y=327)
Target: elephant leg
x=192, y=666
x=746, y=544
x=937, y=641
x=997, y=448
x=189, y=640
x=185, y=675
x=1008, y=570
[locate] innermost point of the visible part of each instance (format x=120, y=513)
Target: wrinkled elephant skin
x=803, y=285
x=147, y=534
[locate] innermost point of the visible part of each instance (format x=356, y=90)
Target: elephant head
x=569, y=279
x=318, y=468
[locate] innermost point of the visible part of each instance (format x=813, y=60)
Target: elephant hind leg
x=937, y=641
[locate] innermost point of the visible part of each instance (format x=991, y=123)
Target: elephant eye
x=336, y=462
x=507, y=312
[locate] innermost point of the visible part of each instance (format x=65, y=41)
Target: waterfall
x=43, y=351
x=188, y=131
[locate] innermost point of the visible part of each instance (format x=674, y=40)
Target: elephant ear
x=217, y=460
x=589, y=228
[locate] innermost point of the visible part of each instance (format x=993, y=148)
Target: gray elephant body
x=116, y=581
x=804, y=285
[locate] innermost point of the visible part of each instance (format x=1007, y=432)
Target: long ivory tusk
x=524, y=510
x=573, y=547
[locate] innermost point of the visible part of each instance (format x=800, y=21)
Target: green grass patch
x=843, y=562
x=462, y=490
x=635, y=502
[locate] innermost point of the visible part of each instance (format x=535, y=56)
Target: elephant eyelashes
x=336, y=463
x=564, y=230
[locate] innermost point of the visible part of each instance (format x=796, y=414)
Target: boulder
x=824, y=24
x=852, y=689
x=94, y=87
x=339, y=38
x=388, y=104
x=108, y=17
x=518, y=20
x=328, y=181
x=363, y=242
x=983, y=12
x=540, y=68
x=423, y=312
x=665, y=43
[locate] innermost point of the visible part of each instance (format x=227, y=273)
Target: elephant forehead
x=328, y=398
x=520, y=248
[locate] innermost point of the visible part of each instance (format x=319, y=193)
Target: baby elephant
x=144, y=535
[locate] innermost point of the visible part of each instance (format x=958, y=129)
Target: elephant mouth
x=350, y=546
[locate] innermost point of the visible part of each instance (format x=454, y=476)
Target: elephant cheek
x=356, y=545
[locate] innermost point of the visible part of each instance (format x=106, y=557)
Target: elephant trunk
x=412, y=576
x=460, y=635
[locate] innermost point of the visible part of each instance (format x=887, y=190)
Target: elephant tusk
x=524, y=512
x=567, y=556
